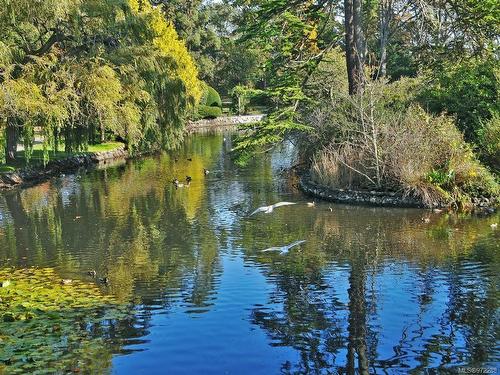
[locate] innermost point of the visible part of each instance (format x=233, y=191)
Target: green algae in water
x=48, y=327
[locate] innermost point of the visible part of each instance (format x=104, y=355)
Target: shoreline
x=358, y=197
x=31, y=175
x=37, y=173
x=378, y=198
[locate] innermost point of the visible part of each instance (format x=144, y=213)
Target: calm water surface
x=373, y=290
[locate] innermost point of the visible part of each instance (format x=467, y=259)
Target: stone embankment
x=372, y=198
x=34, y=174
x=482, y=205
x=222, y=122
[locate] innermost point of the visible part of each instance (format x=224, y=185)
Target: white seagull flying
x=284, y=249
x=269, y=209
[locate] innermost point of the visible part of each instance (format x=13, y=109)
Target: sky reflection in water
x=372, y=289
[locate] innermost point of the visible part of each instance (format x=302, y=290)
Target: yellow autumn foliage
x=170, y=45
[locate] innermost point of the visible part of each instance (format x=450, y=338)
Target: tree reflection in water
x=444, y=314
x=371, y=290
x=357, y=318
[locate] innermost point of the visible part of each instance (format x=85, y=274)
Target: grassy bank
x=37, y=157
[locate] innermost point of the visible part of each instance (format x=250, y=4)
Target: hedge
x=208, y=112
x=212, y=97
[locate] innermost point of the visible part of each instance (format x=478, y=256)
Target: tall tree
x=85, y=71
x=354, y=45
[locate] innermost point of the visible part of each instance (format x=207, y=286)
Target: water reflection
x=371, y=290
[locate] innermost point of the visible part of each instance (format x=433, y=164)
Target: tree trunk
x=359, y=38
x=383, y=57
x=354, y=45
x=11, y=142
x=385, y=18
x=102, y=133
x=349, y=44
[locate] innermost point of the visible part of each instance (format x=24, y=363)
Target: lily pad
x=5, y=283
x=46, y=325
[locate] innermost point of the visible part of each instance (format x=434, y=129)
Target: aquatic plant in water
x=51, y=326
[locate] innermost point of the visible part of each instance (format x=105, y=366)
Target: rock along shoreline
x=482, y=206
x=32, y=175
x=358, y=197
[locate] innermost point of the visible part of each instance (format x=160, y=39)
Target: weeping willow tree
x=83, y=72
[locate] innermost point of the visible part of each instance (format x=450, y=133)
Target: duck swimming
x=205, y=171
x=177, y=184
x=92, y=273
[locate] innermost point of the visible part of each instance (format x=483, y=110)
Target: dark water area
x=372, y=290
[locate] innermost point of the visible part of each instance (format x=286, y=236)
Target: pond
x=372, y=290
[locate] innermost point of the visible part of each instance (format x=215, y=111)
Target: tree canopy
x=85, y=71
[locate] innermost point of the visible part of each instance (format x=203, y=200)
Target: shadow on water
x=371, y=290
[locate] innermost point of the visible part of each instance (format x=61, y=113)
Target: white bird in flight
x=284, y=249
x=269, y=209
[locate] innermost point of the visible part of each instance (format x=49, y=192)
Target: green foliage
x=244, y=97
x=192, y=20
x=6, y=168
x=401, y=62
x=263, y=136
x=239, y=66
x=209, y=112
x=211, y=97
x=489, y=141
x=469, y=91
x=210, y=106
x=294, y=38
x=87, y=72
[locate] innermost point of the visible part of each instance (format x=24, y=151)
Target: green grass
x=102, y=147
x=37, y=155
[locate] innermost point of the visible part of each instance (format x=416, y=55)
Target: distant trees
x=210, y=30
x=83, y=72
x=380, y=38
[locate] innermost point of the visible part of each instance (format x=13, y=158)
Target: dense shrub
x=469, y=91
x=380, y=140
x=211, y=98
x=489, y=141
x=208, y=112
